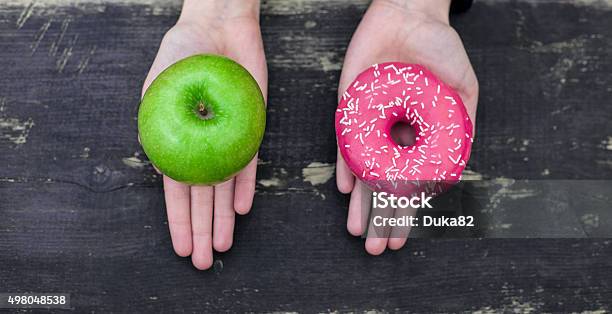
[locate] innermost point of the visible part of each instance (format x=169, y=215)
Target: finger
x=353, y=65
x=378, y=229
x=359, y=208
x=224, y=214
x=396, y=243
x=376, y=246
x=399, y=234
x=344, y=177
x=245, y=188
x=201, y=226
x=179, y=222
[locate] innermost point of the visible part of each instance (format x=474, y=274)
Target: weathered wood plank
x=82, y=211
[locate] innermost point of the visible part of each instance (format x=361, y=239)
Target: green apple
x=202, y=120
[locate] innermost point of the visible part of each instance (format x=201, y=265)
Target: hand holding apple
x=202, y=217
x=202, y=120
x=410, y=31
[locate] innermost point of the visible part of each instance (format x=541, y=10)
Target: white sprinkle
x=392, y=66
x=454, y=161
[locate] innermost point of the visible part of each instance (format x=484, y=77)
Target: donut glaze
x=385, y=94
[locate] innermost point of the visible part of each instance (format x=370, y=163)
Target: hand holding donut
x=410, y=32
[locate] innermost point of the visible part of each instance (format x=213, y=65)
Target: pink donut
x=385, y=94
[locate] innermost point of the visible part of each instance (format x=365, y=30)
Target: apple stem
x=202, y=109
x=204, y=112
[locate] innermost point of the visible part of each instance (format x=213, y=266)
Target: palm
x=240, y=41
x=191, y=209
x=390, y=33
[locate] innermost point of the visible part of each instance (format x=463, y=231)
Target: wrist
x=203, y=11
x=436, y=9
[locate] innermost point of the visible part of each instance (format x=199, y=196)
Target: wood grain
x=83, y=212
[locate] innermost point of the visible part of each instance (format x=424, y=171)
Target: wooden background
x=81, y=210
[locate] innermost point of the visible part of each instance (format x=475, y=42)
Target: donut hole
x=403, y=134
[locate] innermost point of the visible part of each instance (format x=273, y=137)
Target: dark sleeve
x=459, y=6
